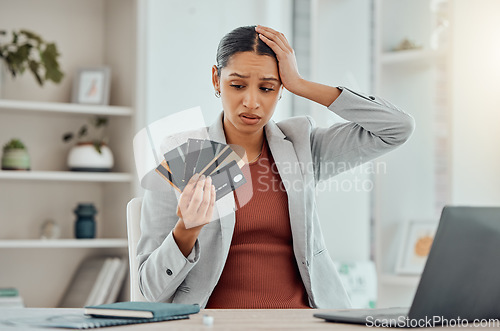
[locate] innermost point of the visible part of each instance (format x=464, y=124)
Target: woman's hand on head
x=196, y=204
x=287, y=63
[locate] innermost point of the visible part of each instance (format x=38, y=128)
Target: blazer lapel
x=290, y=172
x=225, y=205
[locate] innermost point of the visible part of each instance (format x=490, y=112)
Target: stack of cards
x=205, y=157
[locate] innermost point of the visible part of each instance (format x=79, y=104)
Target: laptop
x=461, y=279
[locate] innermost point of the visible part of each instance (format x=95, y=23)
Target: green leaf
x=34, y=69
x=14, y=144
x=49, y=59
x=67, y=136
x=101, y=121
x=32, y=35
x=97, y=146
x=83, y=131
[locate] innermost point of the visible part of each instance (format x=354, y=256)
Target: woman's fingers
x=188, y=191
x=207, y=197
x=197, y=196
x=197, y=201
x=274, y=36
x=287, y=63
x=210, y=210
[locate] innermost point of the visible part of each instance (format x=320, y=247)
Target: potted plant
x=15, y=156
x=27, y=50
x=91, y=152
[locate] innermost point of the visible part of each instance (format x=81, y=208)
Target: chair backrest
x=134, y=233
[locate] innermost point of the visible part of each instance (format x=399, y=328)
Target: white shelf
x=399, y=280
x=67, y=176
x=65, y=243
x=409, y=56
x=65, y=108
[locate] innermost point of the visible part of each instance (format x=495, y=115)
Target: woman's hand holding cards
x=195, y=209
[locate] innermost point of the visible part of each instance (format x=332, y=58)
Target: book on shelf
x=93, y=294
x=98, y=280
x=106, y=292
x=118, y=282
x=8, y=292
x=143, y=310
x=82, y=283
x=10, y=298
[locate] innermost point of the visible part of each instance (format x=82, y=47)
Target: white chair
x=134, y=233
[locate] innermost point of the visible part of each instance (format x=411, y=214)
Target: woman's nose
x=250, y=99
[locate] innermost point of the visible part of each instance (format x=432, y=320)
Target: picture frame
x=91, y=86
x=415, y=246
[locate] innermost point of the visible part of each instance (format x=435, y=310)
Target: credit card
x=237, y=154
x=164, y=171
x=175, y=160
x=227, y=179
x=208, y=152
x=193, y=151
x=216, y=161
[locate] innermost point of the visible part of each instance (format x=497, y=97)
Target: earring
x=217, y=94
x=279, y=98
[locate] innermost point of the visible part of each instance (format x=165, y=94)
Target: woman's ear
x=215, y=79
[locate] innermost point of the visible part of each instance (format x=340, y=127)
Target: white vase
x=85, y=157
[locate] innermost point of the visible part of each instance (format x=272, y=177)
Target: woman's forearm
x=322, y=94
x=185, y=238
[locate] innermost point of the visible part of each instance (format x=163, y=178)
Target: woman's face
x=250, y=87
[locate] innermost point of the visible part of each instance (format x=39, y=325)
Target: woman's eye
x=237, y=86
x=266, y=89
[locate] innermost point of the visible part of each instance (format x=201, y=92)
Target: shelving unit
x=416, y=81
x=64, y=243
x=87, y=33
x=67, y=176
x=410, y=57
x=64, y=108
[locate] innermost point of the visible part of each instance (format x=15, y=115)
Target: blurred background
x=435, y=59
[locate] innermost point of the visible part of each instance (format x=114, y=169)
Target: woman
x=270, y=252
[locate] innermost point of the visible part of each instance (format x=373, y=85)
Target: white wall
x=340, y=55
x=182, y=40
x=476, y=105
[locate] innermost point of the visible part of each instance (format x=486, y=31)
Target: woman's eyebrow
x=271, y=79
x=235, y=74
x=238, y=75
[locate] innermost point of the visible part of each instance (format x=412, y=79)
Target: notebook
x=459, y=283
x=27, y=318
x=131, y=309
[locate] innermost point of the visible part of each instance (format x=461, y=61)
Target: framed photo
x=91, y=86
x=415, y=246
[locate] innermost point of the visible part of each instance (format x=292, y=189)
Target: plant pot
x=16, y=159
x=85, y=157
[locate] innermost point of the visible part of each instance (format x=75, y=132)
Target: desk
x=243, y=319
x=260, y=319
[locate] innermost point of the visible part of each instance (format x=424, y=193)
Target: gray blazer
x=374, y=127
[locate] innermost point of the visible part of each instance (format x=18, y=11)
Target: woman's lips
x=249, y=119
